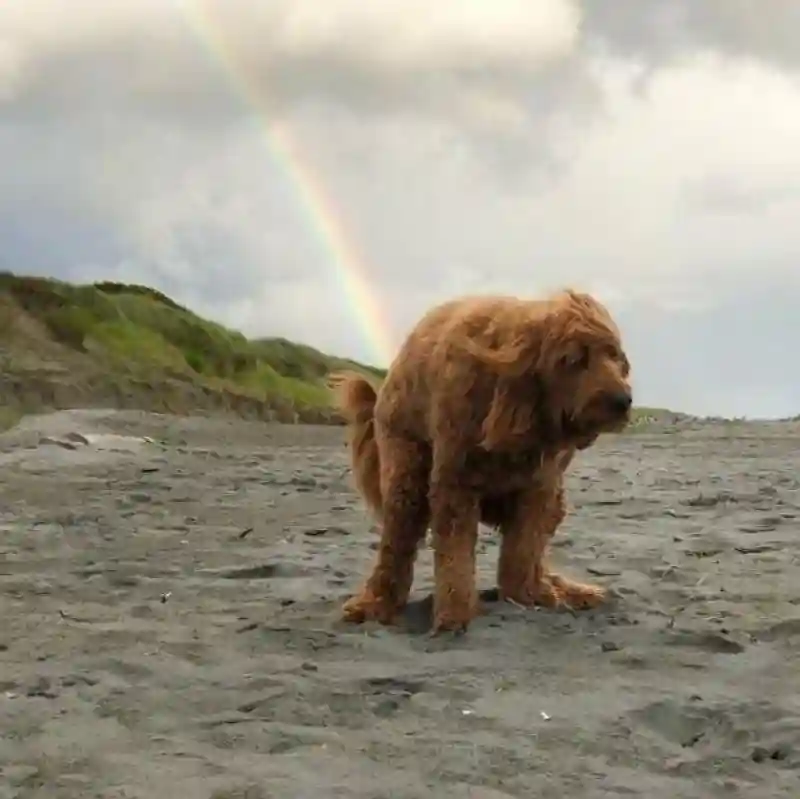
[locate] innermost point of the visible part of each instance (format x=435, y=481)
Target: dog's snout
x=621, y=401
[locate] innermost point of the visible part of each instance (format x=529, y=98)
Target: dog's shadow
x=417, y=616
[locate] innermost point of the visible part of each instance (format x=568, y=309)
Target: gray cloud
x=727, y=357
x=653, y=31
x=186, y=57
x=727, y=193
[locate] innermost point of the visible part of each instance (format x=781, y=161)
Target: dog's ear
x=521, y=413
x=523, y=368
x=509, y=419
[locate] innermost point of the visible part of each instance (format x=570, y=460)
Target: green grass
x=129, y=337
x=9, y=417
x=643, y=416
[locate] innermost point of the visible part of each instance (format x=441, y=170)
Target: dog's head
x=566, y=358
x=583, y=368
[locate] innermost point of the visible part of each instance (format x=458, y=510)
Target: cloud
x=740, y=195
x=723, y=357
x=644, y=150
x=469, y=60
x=654, y=32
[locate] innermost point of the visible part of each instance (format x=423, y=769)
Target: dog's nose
x=621, y=401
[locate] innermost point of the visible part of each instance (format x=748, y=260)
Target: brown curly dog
x=477, y=420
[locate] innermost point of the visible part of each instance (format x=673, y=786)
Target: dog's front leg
x=455, y=512
x=523, y=575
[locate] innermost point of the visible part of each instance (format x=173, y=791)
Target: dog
x=477, y=420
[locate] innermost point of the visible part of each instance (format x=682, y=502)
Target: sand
x=169, y=591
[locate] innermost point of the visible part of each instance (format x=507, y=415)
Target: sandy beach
x=170, y=590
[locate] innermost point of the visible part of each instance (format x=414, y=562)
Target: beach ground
x=170, y=625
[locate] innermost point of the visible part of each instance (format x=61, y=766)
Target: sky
x=641, y=150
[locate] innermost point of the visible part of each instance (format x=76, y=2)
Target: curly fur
x=477, y=420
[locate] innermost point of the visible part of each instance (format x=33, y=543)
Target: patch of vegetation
x=9, y=416
x=121, y=341
x=644, y=416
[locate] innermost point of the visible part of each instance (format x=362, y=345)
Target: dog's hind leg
x=405, y=473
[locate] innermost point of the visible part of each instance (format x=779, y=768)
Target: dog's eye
x=579, y=359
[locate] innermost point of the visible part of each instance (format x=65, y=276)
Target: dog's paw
x=575, y=595
x=453, y=617
x=366, y=607
x=528, y=595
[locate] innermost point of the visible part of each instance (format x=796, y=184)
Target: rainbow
x=307, y=186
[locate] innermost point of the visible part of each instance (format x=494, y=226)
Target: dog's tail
x=356, y=397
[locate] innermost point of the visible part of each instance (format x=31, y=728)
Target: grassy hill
x=128, y=346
